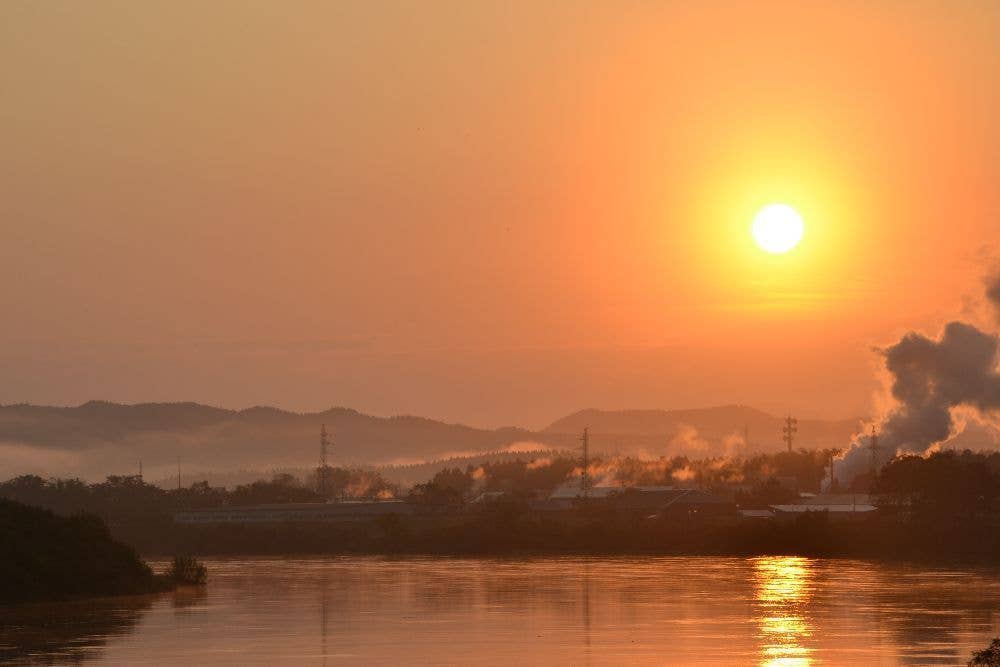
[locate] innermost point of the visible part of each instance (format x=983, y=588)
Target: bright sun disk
x=777, y=228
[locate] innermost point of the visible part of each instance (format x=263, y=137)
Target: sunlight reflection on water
x=783, y=588
x=573, y=611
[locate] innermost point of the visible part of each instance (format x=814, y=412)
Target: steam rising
x=931, y=381
x=993, y=292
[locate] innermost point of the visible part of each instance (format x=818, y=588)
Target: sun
x=777, y=228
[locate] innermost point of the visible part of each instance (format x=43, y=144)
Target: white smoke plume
x=685, y=474
x=993, y=292
x=688, y=442
x=932, y=381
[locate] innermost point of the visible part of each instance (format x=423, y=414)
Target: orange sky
x=489, y=213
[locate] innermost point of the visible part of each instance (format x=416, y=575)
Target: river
x=574, y=611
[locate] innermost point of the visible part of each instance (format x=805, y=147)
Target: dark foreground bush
x=48, y=557
x=988, y=657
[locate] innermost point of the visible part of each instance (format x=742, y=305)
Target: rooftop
x=837, y=508
x=643, y=494
x=835, y=499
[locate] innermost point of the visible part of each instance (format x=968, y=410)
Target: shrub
x=186, y=570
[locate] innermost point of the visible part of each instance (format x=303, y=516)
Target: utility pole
x=178, y=473
x=873, y=453
x=584, y=476
x=140, y=471
x=789, y=430
x=323, y=472
x=831, y=470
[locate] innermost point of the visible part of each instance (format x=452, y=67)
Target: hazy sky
x=492, y=213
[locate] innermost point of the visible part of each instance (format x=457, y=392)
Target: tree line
x=947, y=503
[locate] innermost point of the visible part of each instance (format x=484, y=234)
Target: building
x=487, y=497
x=667, y=501
x=296, y=512
x=645, y=501
x=567, y=496
x=839, y=506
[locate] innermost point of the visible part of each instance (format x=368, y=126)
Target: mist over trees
x=758, y=479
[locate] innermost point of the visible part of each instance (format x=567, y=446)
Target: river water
x=573, y=611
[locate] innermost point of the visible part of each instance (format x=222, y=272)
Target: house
x=567, y=496
x=296, y=512
x=645, y=501
x=488, y=497
x=667, y=501
x=838, y=506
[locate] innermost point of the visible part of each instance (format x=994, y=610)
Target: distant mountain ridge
x=99, y=438
x=356, y=434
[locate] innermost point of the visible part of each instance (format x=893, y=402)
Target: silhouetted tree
x=945, y=483
x=455, y=479
x=435, y=495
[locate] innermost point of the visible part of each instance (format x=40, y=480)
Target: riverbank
x=508, y=531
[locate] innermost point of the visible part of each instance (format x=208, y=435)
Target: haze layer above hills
x=98, y=438
x=712, y=424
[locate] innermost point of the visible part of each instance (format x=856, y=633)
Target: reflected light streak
x=783, y=587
